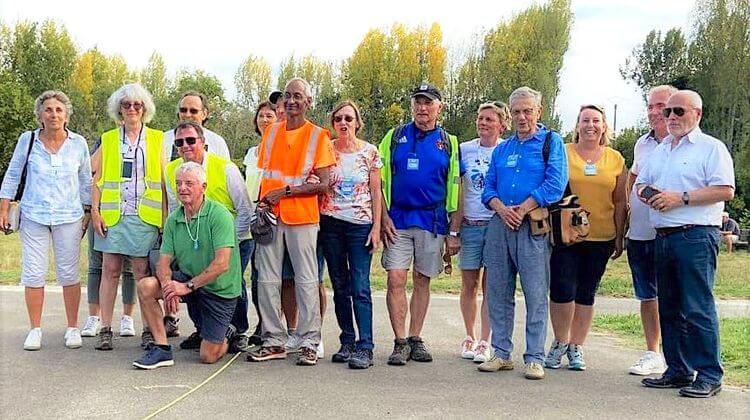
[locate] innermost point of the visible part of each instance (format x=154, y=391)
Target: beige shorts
x=425, y=248
x=36, y=240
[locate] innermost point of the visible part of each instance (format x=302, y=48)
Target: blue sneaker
x=575, y=357
x=554, y=357
x=155, y=357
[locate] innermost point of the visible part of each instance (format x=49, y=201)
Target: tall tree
x=658, y=60
x=252, y=81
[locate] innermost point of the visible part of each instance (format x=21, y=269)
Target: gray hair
x=133, y=92
x=51, y=94
x=193, y=167
x=692, y=96
x=671, y=90
x=305, y=84
x=526, y=92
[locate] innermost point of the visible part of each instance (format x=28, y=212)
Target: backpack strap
x=545, y=154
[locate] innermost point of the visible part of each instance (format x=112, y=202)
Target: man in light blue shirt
x=685, y=183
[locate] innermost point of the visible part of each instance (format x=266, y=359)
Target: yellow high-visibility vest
x=216, y=180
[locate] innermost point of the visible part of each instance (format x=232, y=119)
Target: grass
x=735, y=342
x=731, y=283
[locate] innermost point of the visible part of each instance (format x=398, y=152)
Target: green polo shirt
x=214, y=228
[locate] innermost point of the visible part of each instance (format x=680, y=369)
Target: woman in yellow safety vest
x=127, y=196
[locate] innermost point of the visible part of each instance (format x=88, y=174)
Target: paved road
x=60, y=383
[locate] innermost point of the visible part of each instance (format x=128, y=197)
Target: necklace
x=197, y=228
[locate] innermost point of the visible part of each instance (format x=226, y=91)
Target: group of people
x=177, y=220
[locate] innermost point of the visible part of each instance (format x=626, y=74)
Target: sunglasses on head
x=135, y=105
x=679, y=111
x=189, y=140
x=192, y=111
x=339, y=118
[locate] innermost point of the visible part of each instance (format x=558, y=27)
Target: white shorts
x=35, y=244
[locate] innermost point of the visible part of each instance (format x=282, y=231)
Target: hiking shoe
x=255, y=340
x=650, y=363
x=401, y=352
x=307, y=357
x=575, y=357
x=292, y=343
x=146, y=338
x=91, y=327
x=105, y=339
x=170, y=326
x=240, y=343
x=33, y=339
x=73, y=338
x=320, y=350
x=193, y=342
x=495, y=364
x=344, y=354
x=127, y=329
x=555, y=355
x=419, y=352
x=533, y=371
x=361, y=359
x=467, y=348
x=482, y=352
x=266, y=353
x=700, y=389
x=155, y=357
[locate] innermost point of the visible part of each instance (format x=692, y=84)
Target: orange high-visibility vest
x=290, y=164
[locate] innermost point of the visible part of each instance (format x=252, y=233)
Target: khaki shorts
x=424, y=247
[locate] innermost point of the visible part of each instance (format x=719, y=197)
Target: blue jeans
x=349, y=268
x=641, y=261
x=685, y=270
x=239, y=319
x=507, y=253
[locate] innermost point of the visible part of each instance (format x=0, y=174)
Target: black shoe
x=255, y=340
x=668, y=382
x=344, y=354
x=105, y=339
x=419, y=352
x=192, y=342
x=240, y=343
x=170, y=326
x=401, y=352
x=146, y=338
x=361, y=359
x=700, y=389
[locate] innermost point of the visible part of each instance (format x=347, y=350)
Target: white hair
x=692, y=96
x=132, y=92
x=305, y=85
x=671, y=90
x=193, y=167
x=51, y=94
x=526, y=92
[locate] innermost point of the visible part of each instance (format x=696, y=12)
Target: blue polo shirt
x=518, y=171
x=420, y=163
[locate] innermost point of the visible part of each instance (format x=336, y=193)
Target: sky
x=217, y=36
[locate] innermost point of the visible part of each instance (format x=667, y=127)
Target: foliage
x=625, y=142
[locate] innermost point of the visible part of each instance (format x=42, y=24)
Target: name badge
x=412, y=163
x=512, y=161
x=55, y=161
x=347, y=187
x=589, y=169
x=124, y=148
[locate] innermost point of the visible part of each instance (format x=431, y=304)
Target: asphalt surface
x=56, y=382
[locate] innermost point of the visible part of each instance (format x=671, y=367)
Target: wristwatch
x=288, y=190
x=190, y=285
x=685, y=198
x=454, y=234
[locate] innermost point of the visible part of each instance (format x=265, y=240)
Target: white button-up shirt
x=640, y=226
x=216, y=144
x=698, y=161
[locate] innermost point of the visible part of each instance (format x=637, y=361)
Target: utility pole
x=615, y=122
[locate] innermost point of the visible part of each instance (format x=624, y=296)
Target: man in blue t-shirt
x=415, y=222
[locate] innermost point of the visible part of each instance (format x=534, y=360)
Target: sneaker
x=91, y=327
x=155, y=357
x=33, y=339
x=495, y=364
x=292, y=343
x=467, y=348
x=482, y=352
x=650, y=363
x=419, y=352
x=193, y=342
x=534, y=371
x=361, y=359
x=105, y=339
x=555, y=355
x=320, y=351
x=344, y=354
x=575, y=357
x=73, y=338
x=401, y=352
x=240, y=343
x=146, y=338
x=307, y=357
x=267, y=353
x=127, y=329
x=170, y=326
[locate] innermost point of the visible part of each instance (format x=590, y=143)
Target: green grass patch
x=735, y=342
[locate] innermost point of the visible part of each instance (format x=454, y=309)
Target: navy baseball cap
x=428, y=90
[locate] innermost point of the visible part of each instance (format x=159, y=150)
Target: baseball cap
x=428, y=90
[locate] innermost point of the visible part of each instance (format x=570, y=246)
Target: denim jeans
x=239, y=319
x=349, y=268
x=685, y=270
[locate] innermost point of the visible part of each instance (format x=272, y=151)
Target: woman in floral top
x=350, y=233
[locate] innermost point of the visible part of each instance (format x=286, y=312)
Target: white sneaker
x=467, y=348
x=127, y=329
x=292, y=344
x=650, y=363
x=91, y=327
x=73, y=338
x=482, y=352
x=33, y=340
x=321, y=350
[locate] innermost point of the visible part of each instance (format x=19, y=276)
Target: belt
x=468, y=222
x=666, y=231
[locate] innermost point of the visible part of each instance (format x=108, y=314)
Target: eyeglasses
x=192, y=111
x=678, y=110
x=135, y=105
x=189, y=140
x=339, y=118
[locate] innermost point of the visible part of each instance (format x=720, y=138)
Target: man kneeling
x=200, y=264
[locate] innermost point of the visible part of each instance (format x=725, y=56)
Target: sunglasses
x=135, y=105
x=339, y=118
x=679, y=111
x=189, y=140
x=192, y=111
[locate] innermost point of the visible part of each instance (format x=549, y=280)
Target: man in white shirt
x=193, y=106
x=686, y=181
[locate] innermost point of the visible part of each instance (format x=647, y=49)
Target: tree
x=154, y=78
x=658, y=60
x=253, y=82
x=16, y=115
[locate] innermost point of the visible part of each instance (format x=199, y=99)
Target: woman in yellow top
x=597, y=175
